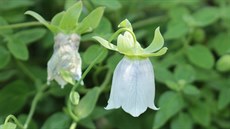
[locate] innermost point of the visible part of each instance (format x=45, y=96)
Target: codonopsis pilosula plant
x=64, y=65
x=133, y=86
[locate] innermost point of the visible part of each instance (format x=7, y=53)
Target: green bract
x=129, y=46
x=67, y=21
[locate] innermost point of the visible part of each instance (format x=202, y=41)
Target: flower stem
x=15, y=120
x=34, y=104
x=69, y=106
x=20, y=25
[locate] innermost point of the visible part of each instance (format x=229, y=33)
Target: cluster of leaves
x=192, y=79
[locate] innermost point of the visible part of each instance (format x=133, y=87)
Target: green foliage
x=56, y=121
x=92, y=52
x=170, y=103
x=15, y=93
x=192, y=78
x=205, y=60
x=8, y=125
x=87, y=103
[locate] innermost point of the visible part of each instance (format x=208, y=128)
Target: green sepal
x=67, y=76
x=57, y=18
x=52, y=28
x=91, y=21
x=105, y=43
x=71, y=16
x=74, y=97
x=125, y=24
x=157, y=43
x=159, y=53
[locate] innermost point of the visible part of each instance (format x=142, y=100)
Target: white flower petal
x=133, y=86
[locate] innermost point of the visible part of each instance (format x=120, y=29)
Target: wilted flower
x=65, y=58
x=133, y=86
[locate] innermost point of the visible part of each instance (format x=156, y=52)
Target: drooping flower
x=65, y=63
x=65, y=58
x=133, y=85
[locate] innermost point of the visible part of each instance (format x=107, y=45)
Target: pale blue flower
x=133, y=86
x=65, y=58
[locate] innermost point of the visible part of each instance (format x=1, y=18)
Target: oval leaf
x=200, y=56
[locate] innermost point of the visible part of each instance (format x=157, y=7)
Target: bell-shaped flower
x=133, y=85
x=65, y=58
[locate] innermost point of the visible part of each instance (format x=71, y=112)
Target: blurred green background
x=192, y=79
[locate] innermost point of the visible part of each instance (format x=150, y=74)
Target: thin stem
x=34, y=104
x=87, y=70
x=15, y=120
x=149, y=21
x=20, y=25
x=69, y=106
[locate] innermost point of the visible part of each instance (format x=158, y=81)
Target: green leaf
x=92, y=52
x=11, y=4
x=176, y=29
x=32, y=125
x=224, y=99
x=8, y=125
x=157, y=43
x=52, y=28
x=220, y=43
x=18, y=48
x=191, y=90
x=170, y=103
x=163, y=74
x=69, y=3
x=87, y=103
x=4, y=57
x=57, y=121
x=223, y=64
x=182, y=121
x=71, y=16
x=30, y=35
x=112, y=4
x=200, y=56
x=13, y=97
x=206, y=16
x=91, y=21
x=181, y=75
x=6, y=74
x=87, y=123
x=104, y=29
x=200, y=113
